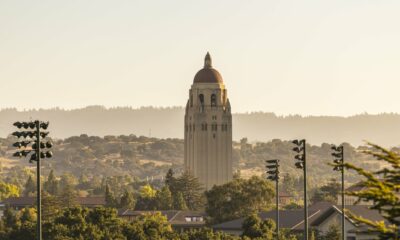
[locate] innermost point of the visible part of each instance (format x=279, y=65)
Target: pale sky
x=316, y=57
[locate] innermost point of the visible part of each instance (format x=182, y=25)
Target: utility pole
x=301, y=163
x=338, y=154
x=33, y=136
x=273, y=175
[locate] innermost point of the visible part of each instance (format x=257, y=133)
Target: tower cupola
x=208, y=74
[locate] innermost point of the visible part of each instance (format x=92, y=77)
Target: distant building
x=208, y=128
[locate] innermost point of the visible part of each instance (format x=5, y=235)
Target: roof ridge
x=303, y=219
x=345, y=215
x=176, y=214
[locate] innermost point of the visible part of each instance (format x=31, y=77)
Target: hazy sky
x=308, y=57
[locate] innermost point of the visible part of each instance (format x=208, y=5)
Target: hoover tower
x=208, y=128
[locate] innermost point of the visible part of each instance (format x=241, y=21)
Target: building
x=179, y=220
x=321, y=216
x=208, y=128
x=354, y=230
x=292, y=220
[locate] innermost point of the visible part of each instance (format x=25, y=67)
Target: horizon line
x=365, y=113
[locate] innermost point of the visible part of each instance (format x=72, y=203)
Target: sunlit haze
x=288, y=57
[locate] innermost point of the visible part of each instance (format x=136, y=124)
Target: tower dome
x=208, y=74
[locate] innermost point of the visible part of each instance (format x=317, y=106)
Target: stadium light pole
x=301, y=163
x=272, y=167
x=25, y=149
x=338, y=154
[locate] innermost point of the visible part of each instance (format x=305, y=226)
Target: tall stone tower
x=208, y=128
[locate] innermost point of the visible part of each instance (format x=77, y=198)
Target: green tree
x=51, y=206
x=164, y=199
x=8, y=190
x=289, y=183
x=68, y=197
x=191, y=189
x=239, y=198
x=110, y=199
x=254, y=227
x=179, y=202
x=147, y=191
x=149, y=227
x=333, y=233
x=147, y=198
x=30, y=186
x=18, y=225
x=327, y=193
x=381, y=188
x=51, y=185
x=205, y=234
x=27, y=215
x=9, y=218
x=170, y=179
x=127, y=200
x=83, y=223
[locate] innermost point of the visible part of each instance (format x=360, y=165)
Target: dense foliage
x=382, y=189
x=103, y=224
x=238, y=198
x=125, y=162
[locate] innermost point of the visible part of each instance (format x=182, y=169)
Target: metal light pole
x=39, y=191
x=34, y=136
x=338, y=154
x=273, y=171
x=300, y=149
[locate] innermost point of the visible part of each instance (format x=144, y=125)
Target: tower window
x=191, y=100
x=213, y=100
x=201, y=100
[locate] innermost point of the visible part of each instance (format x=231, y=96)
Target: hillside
x=150, y=158
x=168, y=123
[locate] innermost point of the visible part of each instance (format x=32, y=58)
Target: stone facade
x=208, y=128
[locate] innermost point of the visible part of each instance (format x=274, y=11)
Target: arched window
x=201, y=100
x=191, y=100
x=213, y=100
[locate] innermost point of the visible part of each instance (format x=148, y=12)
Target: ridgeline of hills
x=383, y=129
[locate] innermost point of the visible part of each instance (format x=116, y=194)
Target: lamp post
x=300, y=150
x=273, y=175
x=338, y=161
x=32, y=135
